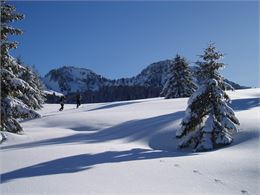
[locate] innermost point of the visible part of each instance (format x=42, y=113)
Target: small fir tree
x=209, y=122
x=18, y=97
x=180, y=82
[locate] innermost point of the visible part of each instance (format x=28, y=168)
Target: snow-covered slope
x=51, y=92
x=154, y=75
x=71, y=79
x=129, y=148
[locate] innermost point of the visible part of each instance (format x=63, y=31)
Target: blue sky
x=119, y=39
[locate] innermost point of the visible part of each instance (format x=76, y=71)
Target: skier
x=78, y=98
x=62, y=100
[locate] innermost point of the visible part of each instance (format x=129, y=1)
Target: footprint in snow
x=218, y=181
x=197, y=172
x=244, y=192
x=176, y=165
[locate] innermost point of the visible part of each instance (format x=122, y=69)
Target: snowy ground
x=129, y=148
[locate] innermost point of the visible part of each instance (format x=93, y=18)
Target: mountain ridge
x=69, y=79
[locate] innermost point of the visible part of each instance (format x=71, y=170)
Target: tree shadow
x=83, y=162
x=135, y=130
x=245, y=104
x=244, y=136
x=165, y=141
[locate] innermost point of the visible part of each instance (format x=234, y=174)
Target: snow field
x=129, y=148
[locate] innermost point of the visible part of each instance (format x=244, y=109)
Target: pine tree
x=34, y=99
x=179, y=83
x=209, y=122
x=18, y=97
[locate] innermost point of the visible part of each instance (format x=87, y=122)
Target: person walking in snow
x=78, y=98
x=62, y=100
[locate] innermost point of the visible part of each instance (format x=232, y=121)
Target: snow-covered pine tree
x=180, y=82
x=209, y=122
x=18, y=97
x=30, y=76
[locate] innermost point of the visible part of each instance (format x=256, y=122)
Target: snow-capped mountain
x=69, y=79
x=154, y=75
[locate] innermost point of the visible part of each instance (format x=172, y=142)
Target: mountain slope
x=154, y=75
x=129, y=148
x=70, y=79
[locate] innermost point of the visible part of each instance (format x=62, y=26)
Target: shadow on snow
x=83, y=162
x=245, y=104
x=112, y=105
x=145, y=130
x=155, y=131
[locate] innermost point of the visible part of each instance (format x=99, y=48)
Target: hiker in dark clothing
x=78, y=98
x=62, y=100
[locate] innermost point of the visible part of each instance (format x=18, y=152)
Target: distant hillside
x=69, y=80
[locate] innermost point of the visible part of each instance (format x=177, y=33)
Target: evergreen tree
x=209, y=122
x=18, y=97
x=30, y=76
x=179, y=83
